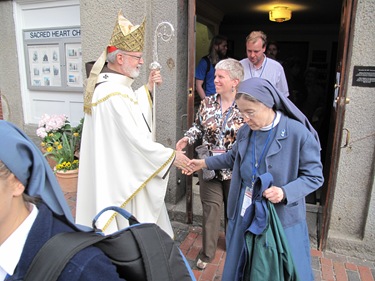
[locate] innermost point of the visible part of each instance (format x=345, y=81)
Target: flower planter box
x=68, y=180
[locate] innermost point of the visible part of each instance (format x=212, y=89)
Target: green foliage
x=61, y=141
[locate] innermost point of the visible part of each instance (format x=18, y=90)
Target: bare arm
x=199, y=88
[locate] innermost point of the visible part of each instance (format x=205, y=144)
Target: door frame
x=190, y=101
x=344, y=53
x=337, y=113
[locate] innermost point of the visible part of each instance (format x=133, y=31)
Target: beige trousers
x=212, y=193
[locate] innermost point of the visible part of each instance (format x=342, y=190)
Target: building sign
x=53, y=33
x=364, y=76
x=54, y=59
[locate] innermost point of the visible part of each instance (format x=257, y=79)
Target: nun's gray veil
x=263, y=91
x=27, y=163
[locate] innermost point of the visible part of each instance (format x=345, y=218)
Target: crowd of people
x=246, y=127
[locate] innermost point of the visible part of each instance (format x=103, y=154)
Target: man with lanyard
x=258, y=65
x=120, y=163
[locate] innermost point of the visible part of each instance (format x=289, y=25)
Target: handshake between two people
x=182, y=162
x=274, y=194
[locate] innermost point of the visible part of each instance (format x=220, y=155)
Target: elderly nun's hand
x=195, y=165
x=274, y=194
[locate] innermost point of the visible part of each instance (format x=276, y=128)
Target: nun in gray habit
x=277, y=139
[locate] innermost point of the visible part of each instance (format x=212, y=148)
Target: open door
x=190, y=103
x=337, y=118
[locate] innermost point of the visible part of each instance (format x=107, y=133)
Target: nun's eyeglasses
x=247, y=115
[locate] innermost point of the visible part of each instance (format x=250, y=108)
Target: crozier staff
x=120, y=164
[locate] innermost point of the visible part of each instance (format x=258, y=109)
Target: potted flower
x=61, y=143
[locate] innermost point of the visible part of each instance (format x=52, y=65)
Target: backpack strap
x=207, y=60
x=51, y=259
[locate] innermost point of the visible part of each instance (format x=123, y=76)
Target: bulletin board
x=54, y=59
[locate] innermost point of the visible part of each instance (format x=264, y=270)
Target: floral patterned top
x=216, y=128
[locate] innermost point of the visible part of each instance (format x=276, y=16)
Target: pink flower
x=41, y=132
x=43, y=120
x=52, y=123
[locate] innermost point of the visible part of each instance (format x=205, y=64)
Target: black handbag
x=203, y=152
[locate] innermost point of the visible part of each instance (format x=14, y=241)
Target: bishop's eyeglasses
x=133, y=56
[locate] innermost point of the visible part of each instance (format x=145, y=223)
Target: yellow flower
x=62, y=142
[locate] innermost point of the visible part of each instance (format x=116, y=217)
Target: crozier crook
x=165, y=31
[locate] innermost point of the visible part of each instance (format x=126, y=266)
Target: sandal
x=201, y=264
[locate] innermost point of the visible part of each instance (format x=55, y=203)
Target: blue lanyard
x=263, y=67
x=255, y=162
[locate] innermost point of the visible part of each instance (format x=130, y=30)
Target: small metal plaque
x=364, y=76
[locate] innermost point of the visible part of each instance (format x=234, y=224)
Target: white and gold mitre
x=126, y=37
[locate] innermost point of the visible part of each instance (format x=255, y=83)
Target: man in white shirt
x=258, y=65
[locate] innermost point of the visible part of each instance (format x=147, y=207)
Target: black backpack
x=142, y=251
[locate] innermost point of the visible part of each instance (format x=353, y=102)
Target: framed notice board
x=54, y=59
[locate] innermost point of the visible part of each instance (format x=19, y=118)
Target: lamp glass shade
x=280, y=14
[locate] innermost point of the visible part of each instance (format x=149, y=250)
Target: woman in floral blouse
x=216, y=124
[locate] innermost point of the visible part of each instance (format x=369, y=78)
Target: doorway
x=315, y=41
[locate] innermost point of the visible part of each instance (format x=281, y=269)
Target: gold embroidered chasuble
x=120, y=164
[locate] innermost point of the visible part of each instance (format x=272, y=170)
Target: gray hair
x=246, y=97
x=111, y=57
x=234, y=67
